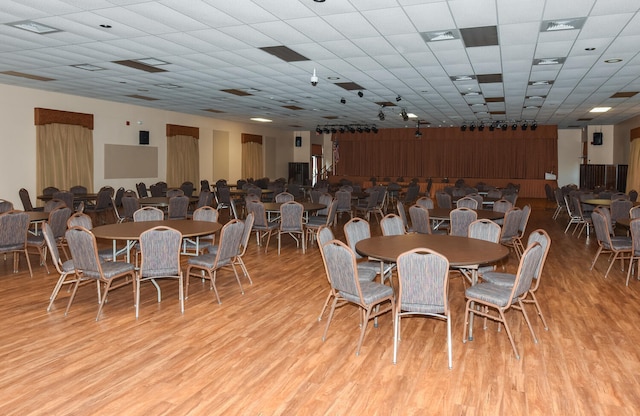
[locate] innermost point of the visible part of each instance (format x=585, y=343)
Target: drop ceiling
x=236, y=60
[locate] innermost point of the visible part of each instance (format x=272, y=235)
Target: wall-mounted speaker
x=298, y=141
x=597, y=139
x=144, y=137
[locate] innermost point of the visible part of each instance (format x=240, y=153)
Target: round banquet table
x=130, y=231
x=160, y=201
x=306, y=206
x=460, y=251
x=443, y=214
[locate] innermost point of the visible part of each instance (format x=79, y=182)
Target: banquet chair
x=420, y=222
x=6, y=206
x=425, y=202
x=403, y=214
x=522, y=228
x=479, y=199
x=364, y=274
x=392, y=224
x=486, y=230
x=619, y=209
x=261, y=225
x=148, y=214
x=14, y=226
x=618, y=247
x=633, y=195
x=368, y=206
x=78, y=189
x=187, y=188
x=316, y=221
x=344, y=203
x=204, y=185
x=468, y=202
x=340, y=263
x=413, y=190
x=444, y=200
x=459, y=221
x=117, y=198
x=58, y=223
x=160, y=259
x=223, y=199
x=207, y=265
x=203, y=243
x=130, y=205
x=54, y=203
x=26, y=201
x=178, y=207
x=560, y=203
x=80, y=219
x=244, y=242
x=156, y=190
x=291, y=222
x=634, y=257
x=423, y=290
x=583, y=218
x=284, y=197
x=512, y=219
x=490, y=296
x=50, y=190
x=65, y=269
x=634, y=212
x=88, y=267
x=541, y=237
x=103, y=203
x=358, y=229
x=141, y=188
x=174, y=192
x=494, y=193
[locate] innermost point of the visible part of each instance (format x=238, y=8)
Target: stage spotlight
x=514, y=126
x=381, y=115
x=341, y=129
x=374, y=129
x=343, y=101
x=359, y=129
x=472, y=127
x=481, y=127
x=334, y=130
x=492, y=126
x=351, y=129
x=463, y=127
x=367, y=129
x=360, y=94
x=503, y=126
x=398, y=98
x=534, y=125
x=326, y=130
x=404, y=115
x=318, y=130
x=524, y=125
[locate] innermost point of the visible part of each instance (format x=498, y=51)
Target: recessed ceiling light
x=440, y=35
x=564, y=24
x=319, y=1
x=333, y=78
x=613, y=61
x=589, y=49
x=105, y=26
x=34, y=27
x=599, y=109
x=540, y=83
x=536, y=97
x=411, y=115
x=262, y=120
x=548, y=61
x=462, y=78
x=88, y=67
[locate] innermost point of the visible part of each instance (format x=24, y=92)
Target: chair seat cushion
x=207, y=261
x=488, y=292
x=68, y=266
x=421, y=308
x=110, y=270
x=500, y=279
x=371, y=292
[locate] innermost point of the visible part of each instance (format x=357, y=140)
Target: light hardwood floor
x=261, y=353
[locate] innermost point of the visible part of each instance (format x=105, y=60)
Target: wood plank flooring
x=261, y=353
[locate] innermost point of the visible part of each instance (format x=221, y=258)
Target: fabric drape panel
x=183, y=160
x=450, y=153
x=64, y=156
x=252, y=162
x=633, y=175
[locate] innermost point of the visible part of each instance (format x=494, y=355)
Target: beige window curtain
x=182, y=160
x=64, y=149
x=252, y=160
x=633, y=175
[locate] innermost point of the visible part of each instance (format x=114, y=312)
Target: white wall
x=218, y=159
x=569, y=152
x=601, y=154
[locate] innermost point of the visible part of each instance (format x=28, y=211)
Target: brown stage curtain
x=449, y=152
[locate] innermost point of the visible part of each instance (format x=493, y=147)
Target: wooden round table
x=460, y=251
x=306, y=206
x=443, y=214
x=130, y=231
x=160, y=201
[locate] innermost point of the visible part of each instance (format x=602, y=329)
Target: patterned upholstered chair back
x=467, y=202
x=484, y=229
x=178, y=207
x=148, y=214
x=425, y=202
x=460, y=219
x=79, y=219
x=355, y=230
x=420, y=222
x=392, y=224
x=206, y=213
x=160, y=247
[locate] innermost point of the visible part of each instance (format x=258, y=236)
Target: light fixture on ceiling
x=374, y=129
x=334, y=130
x=524, y=125
x=359, y=129
x=34, y=27
x=534, y=125
x=599, y=109
x=503, y=126
x=463, y=127
x=440, y=35
x=564, y=24
x=492, y=126
x=88, y=67
x=613, y=61
x=106, y=26
x=514, y=126
x=343, y=101
x=418, y=133
x=341, y=129
x=398, y=98
x=381, y=114
x=360, y=94
x=481, y=126
x=472, y=127
x=404, y=115
x=351, y=129
x=540, y=83
x=326, y=130
x=318, y=130
x=548, y=61
x=261, y=119
x=319, y=1
x=367, y=129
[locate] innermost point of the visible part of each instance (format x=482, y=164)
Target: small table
x=603, y=202
x=36, y=218
x=130, y=231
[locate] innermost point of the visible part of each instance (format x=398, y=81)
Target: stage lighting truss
x=346, y=128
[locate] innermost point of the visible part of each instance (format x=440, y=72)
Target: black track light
x=374, y=129
x=352, y=129
x=481, y=127
x=404, y=115
x=360, y=129
x=333, y=130
x=367, y=129
x=343, y=101
x=318, y=130
x=326, y=130
x=381, y=115
x=514, y=126
x=524, y=125
x=463, y=127
x=472, y=127
x=534, y=125
x=341, y=129
x=360, y=94
x=398, y=98
x=504, y=126
x=492, y=126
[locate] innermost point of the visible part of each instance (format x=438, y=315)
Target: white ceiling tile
x=391, y=21
x=351, y=25
x=566, y=9
x=430, y=17
x=316, y=29
x=474, y=13
x=510, y=12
